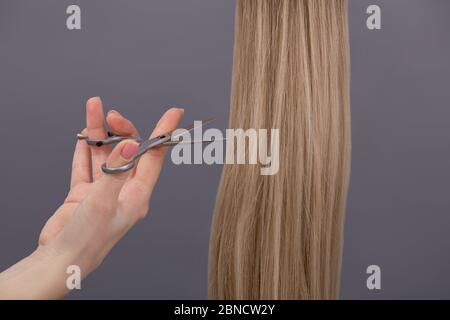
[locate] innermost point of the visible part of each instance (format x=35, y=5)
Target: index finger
x=121, y=125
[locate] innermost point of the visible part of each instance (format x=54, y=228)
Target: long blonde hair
x=279, y=236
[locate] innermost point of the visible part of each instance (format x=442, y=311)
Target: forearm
x=41, y=275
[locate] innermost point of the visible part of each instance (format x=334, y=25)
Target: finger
x=121, y=125
x=95, y=121
x=109, y=186
x=150, y=164
x=81, y=164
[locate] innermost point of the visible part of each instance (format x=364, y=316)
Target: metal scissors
x=167, y=139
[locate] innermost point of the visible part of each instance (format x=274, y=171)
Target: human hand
x=99, y=208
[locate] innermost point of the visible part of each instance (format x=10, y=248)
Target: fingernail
x=95, y=99
x=113, y=112
x=129, y=150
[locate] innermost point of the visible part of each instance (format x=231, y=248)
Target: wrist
x=41, y=275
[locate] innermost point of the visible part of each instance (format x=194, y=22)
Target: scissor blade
x=146, y=145
x=173, y=143
x=191, y=127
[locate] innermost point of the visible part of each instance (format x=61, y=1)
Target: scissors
x=167, y=139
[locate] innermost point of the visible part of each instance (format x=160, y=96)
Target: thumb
x=109, y=186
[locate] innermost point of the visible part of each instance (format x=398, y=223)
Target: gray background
x=145, y=56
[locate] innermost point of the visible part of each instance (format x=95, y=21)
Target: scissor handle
x=124, y=168
x=111, y=139
x=144, y=146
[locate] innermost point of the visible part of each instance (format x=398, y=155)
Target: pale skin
x=98, y=210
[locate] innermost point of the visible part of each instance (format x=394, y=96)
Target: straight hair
x=280, y=236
